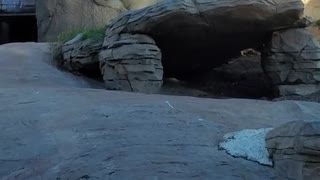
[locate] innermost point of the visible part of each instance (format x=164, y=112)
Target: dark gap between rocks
x=18, y=28
x=194, y=67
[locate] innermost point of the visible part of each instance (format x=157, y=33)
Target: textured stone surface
x=131, y=63
x=295, y=150
x=80, y=55
x=292, y=60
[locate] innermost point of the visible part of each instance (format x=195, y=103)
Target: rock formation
x=182, y=38
x=80, y=55
x=295, y=150
x=131, y=63
x=292, y=60
x=195, y=36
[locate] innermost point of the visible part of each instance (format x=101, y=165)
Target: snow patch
x=249, y=144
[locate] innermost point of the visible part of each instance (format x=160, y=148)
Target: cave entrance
x=239, y=77
x=18, y=28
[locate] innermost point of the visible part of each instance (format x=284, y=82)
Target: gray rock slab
x=57, y=126
x=69, y=133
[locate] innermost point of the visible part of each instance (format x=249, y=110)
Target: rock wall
x=57, y=16
x=292, y=60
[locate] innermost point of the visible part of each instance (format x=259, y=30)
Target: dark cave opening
x=241, y=77
x=18, y=28
x=220, y=69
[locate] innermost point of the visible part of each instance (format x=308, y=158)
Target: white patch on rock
x=249, y=144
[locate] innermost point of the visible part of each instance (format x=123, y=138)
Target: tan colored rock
x=138, y=4
x=312, y=8
x=58, y=16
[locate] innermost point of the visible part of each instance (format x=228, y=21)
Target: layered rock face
x=292, y=60
x=79, y=55
x=131, y=62
x=295, y=150
x=58, y=16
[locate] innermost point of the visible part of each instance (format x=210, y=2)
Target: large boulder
x=295, y=150
x=132, y=63
x=58, y=16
